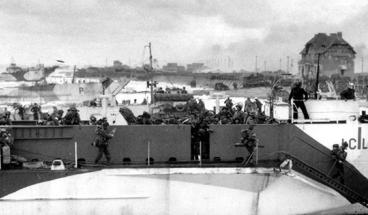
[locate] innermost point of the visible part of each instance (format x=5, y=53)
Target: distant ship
x=30, y=74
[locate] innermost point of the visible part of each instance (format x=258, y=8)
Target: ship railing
x=328, y=116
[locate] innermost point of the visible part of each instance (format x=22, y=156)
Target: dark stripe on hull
x=13, y=180
x=72, y=199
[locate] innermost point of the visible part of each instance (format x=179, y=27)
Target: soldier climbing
x=250, y=142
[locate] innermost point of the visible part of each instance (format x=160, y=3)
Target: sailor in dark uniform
x=349, y=93
x=299, y=95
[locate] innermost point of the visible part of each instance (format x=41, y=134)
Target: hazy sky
x=93, y=31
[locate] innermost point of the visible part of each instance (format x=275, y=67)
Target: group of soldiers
x=160, y=90
x=251, y=114
x=57, y=117
x=195, y=111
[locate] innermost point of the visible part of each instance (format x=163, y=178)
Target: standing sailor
x=298, y=94
x=349, y=93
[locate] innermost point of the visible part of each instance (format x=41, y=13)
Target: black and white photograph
x=195, y=107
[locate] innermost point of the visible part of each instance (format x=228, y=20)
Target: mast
x=280, y=64
x=324, y=50
x=151, y=73
x=256, y=64
x=362, y=64
x=317, y=78
x=73, y=78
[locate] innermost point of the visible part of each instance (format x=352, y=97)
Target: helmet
x=345, y=144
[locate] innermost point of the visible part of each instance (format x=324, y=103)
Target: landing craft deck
x=308, y=146
x=134, y=144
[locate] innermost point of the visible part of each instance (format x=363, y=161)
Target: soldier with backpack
x=249, y=141
x=102, y=141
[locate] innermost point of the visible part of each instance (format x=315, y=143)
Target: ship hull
x=67, y=92
x=30, y=75
x=52, y=93
x=174, y=191
x=354, y=134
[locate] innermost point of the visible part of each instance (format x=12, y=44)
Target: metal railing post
x=292, y=110
x=148, y=153
x=200, y=153
x=257, y=143
x=75, y=154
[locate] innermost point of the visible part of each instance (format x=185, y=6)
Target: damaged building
x=335, y=56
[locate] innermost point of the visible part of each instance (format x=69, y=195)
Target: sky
x=96, y=32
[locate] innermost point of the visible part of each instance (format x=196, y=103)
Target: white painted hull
x=174, y=191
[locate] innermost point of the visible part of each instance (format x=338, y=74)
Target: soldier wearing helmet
x=72, y=116
x=339, y=155
x=36, y=110
x=102, y=142
x=251, y=119
x=249, y=140
x=92, y=120
x=238, y=117
x=3, y=136
x=298, y=94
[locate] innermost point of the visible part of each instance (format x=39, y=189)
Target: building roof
x=321, y=42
